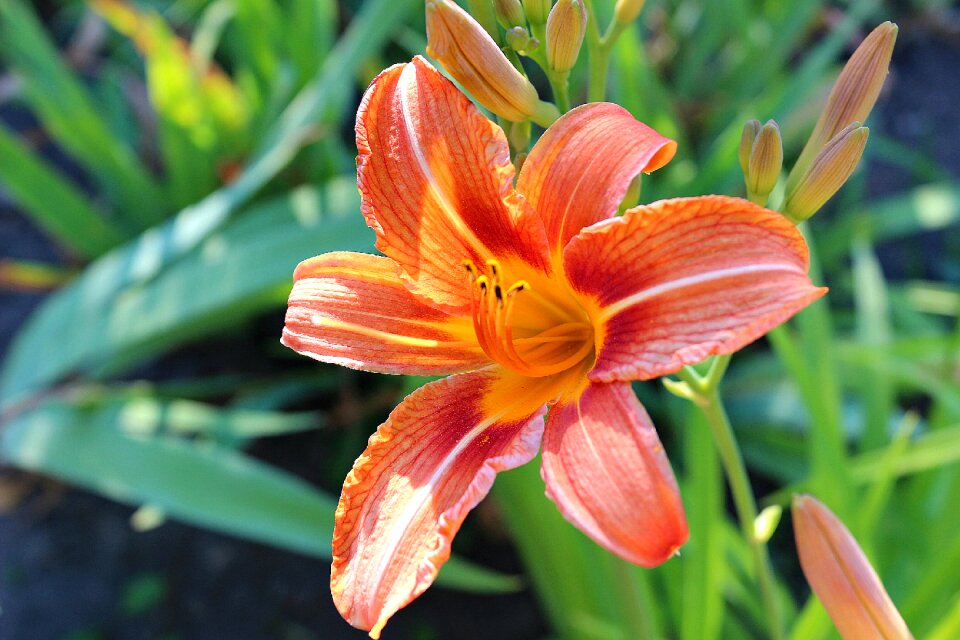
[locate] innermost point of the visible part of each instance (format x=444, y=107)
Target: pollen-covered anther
x=534, y=351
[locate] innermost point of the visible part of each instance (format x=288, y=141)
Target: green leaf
x=209, y=486
x=928, y=208
x=52, y=202
x=874, y=331
x=324, y=98
x=309, y=33
x=587, y=592
x=932, y=450
x=92, y=327
x=144, y=415
x=201, y=116
x=69, y=114
x=203, y=484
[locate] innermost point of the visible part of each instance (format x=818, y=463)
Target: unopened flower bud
x=853, y=95
x=520, y=40
x=471, y=56
x=509, y=13
x=537, y=10
x=482, y=11
x=626, y=11
x=841, y=576
x=566, y=26
x=751, y=128
x=766, y=160
x=765, y=524
x=829, y=171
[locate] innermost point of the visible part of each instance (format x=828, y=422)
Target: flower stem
x=597, y=83
x=559, y=82
x=705, y=394
x=598, y=50
x=598, y=57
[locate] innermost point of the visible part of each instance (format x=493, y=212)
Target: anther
x=471, y=269
x=498, y=291
x=517, y=287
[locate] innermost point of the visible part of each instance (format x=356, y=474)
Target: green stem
x=745, y=504
x=561, y=90
x=628, y=593
x=546, y=114
x=599, y=49
x=597, y=57
x=707, y=397
x=597, y=83
x=558, y=81
x=515, y=60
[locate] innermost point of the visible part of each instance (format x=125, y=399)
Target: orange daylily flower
x=531, y=297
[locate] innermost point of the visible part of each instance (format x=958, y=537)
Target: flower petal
x=352, y=309
x=431, y=462
x=436, y=181
x=579, y=170
x=606, y=469
x=673, y=282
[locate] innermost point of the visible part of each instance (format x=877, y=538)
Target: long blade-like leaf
x=66, y=110
x=53, y=203
x=241, y=270
x=206, y=485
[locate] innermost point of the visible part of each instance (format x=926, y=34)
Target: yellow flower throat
x=540, y=339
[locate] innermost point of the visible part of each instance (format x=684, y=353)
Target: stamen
x=545, y=353
x=517, y=287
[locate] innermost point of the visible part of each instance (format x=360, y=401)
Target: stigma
x=539, y=341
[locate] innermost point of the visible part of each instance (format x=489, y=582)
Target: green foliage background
x=188, y=225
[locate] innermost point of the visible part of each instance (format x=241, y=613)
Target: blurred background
x=169, y=470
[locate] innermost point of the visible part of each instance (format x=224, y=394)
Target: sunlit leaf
x=68, y=113
x=203, y=484
x=91, y=327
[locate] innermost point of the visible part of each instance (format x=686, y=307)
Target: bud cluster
x=469, y=48
x=838, y=140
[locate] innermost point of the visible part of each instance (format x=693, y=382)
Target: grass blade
x=68, y=113
x=52, y=203
x=247, y=267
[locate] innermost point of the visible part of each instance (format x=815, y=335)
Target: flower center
x=537, y=337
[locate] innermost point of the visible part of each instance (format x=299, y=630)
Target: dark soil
x=79, y=571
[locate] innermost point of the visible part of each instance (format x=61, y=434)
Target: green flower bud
x=509, y=13
x=766, y=160
x=537, y=10
x=750, y=130
x=566, y=26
